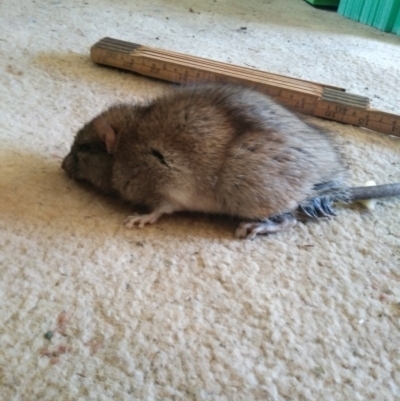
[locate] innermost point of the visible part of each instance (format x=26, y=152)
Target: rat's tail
x=322, y=205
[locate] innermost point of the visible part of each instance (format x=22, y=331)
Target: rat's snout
x=68, y=164
x=64, y=164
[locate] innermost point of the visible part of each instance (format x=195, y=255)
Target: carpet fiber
x=182, y=310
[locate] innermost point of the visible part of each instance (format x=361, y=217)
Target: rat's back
x=251, y=156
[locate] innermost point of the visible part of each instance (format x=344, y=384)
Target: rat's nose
x=67, y=163
x=63, y=164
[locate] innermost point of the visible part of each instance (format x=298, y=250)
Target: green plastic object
x=386, y=15
x=369, y=11
x=324, y=3
x=344, y=7
x=381, y=14
x=356, y=8
x=396, y=25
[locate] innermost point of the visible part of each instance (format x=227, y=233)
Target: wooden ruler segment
x=307, y=97
x=151, y=55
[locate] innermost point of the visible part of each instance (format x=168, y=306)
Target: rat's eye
x=85, y=147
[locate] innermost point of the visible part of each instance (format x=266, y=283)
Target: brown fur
x=210, y=148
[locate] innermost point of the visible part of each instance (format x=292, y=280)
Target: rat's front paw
x=141, y=220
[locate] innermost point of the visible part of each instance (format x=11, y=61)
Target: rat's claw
x=249, y=230
x=141, y=220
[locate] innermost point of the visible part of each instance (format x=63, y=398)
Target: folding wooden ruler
x=307, y=97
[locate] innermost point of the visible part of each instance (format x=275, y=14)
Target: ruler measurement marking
x=372, y=119
x=157, y=53
x=221, y=68
x=239, y=74
x=221, y=76
x=236, y=70
x=204, y=74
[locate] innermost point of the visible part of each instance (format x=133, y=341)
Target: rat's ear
x=105, y=132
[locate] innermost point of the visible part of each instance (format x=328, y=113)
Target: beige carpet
x=182, y=310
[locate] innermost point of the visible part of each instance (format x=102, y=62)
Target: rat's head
x=91, y=156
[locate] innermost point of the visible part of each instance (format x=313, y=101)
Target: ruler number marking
x=129, y=63
x=330, y=113
x=154, y=69
x=341, y=109
x=395, y=129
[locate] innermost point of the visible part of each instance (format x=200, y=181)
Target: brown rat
x=210, y=148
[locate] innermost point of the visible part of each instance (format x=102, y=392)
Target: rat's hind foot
x=249, y=230
x=141, y=219
x=316, y=207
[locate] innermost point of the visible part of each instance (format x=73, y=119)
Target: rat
x=212, y=148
